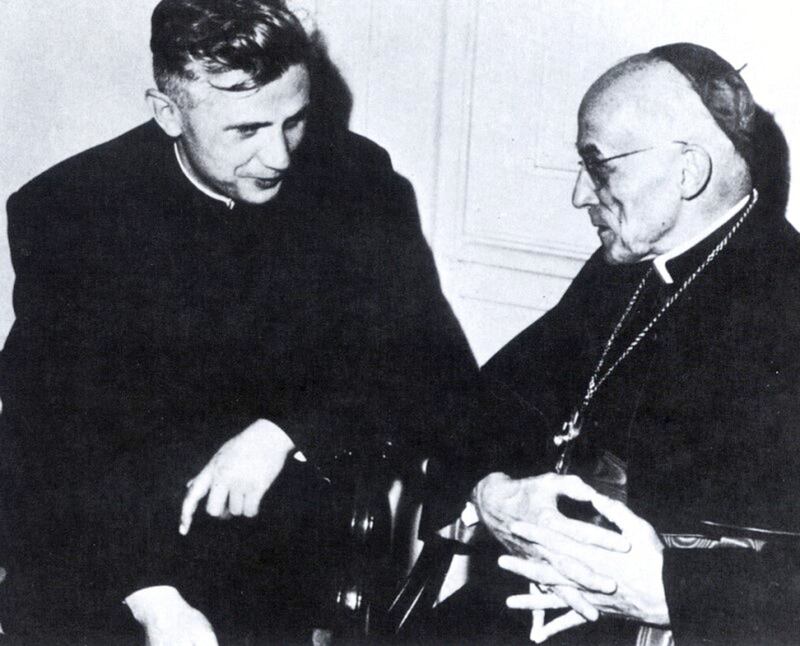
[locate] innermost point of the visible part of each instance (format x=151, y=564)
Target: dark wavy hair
x=259, y=37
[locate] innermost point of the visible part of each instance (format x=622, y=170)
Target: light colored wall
x=475, y=100
x=73, y=75
x=508, y=239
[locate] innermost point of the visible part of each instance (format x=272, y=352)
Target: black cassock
x=153, y=323
x=704, y=412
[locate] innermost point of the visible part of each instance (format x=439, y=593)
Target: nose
x=584, y=193
x=274, y=154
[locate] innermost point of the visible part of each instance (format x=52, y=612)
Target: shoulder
x=771, y=274
x=518, y=353
x=104, y=168
x=594, y=297
x=369, y=177
x=346, y=160
x=361, y=152
x=767, y=258
x=352, y=178
x=73, y=204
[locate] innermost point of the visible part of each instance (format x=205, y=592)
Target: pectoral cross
x=572, y=429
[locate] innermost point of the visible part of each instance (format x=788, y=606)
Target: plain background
x=474, y=99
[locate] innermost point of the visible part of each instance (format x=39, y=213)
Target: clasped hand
x=239, y=474
x=589, y=569
x=168, y=620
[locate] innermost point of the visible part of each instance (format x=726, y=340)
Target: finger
x=199, y=488
x=578, y=602
x=536, y=626
x=199, y=629
x=558, y=570
x=573, y=487
x=536, y=601
x=155, y=637
x=236, y=502
x=617, y=513
x=252, y=502
x=561, y=623
x=578, y=569
x=217, y=498
x=533, y=570
x=517, y=546
x=558, y=526
x=205, y=638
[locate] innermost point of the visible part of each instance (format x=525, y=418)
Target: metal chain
x=594, y=381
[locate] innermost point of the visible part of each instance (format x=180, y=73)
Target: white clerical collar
x=200, y=186
x=660, y=262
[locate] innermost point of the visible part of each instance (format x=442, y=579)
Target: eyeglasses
x=595, y=168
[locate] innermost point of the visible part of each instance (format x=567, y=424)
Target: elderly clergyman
x=644, y=432
x=236, y=279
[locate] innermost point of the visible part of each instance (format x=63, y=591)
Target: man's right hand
x=239, y=474
x=168, y=620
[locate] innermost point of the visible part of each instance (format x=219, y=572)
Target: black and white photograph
x=399, y=322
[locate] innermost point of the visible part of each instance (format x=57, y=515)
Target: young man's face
x=240, y=143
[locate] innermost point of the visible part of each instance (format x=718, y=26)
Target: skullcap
x=721, y=89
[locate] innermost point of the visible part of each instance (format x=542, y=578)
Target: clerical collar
x=660, y=262
x=198, y=184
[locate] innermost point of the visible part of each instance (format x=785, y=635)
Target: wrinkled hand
x=168, y=620
x=538, y=601
x=503, y=502
x=240, y=473
x=639, y=589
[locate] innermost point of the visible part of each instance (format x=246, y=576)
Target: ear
x=696, y=170
x=166, y=112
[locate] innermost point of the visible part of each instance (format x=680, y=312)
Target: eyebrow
x=254, y=125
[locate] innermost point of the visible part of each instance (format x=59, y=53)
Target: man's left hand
x=639, y=593
x=168, y=619
x=240, y=473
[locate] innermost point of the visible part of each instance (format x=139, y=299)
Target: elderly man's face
x=630, y=197
x=240, y=143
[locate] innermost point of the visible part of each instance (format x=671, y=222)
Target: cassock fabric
x=705, y=413
x=153, y=324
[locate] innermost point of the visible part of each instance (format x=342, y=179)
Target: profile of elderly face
x=646, y=143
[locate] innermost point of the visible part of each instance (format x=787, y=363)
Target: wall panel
x=515, y=74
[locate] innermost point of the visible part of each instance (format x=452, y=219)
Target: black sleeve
x=736, y=595
x=733, y=596
x=395, y=366
x=100, y=459
x=516, y=407
x=526, y=392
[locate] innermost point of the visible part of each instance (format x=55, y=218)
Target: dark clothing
x=153, y=324
x=705, y=412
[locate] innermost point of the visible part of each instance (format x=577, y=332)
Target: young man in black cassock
x=195, y=301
